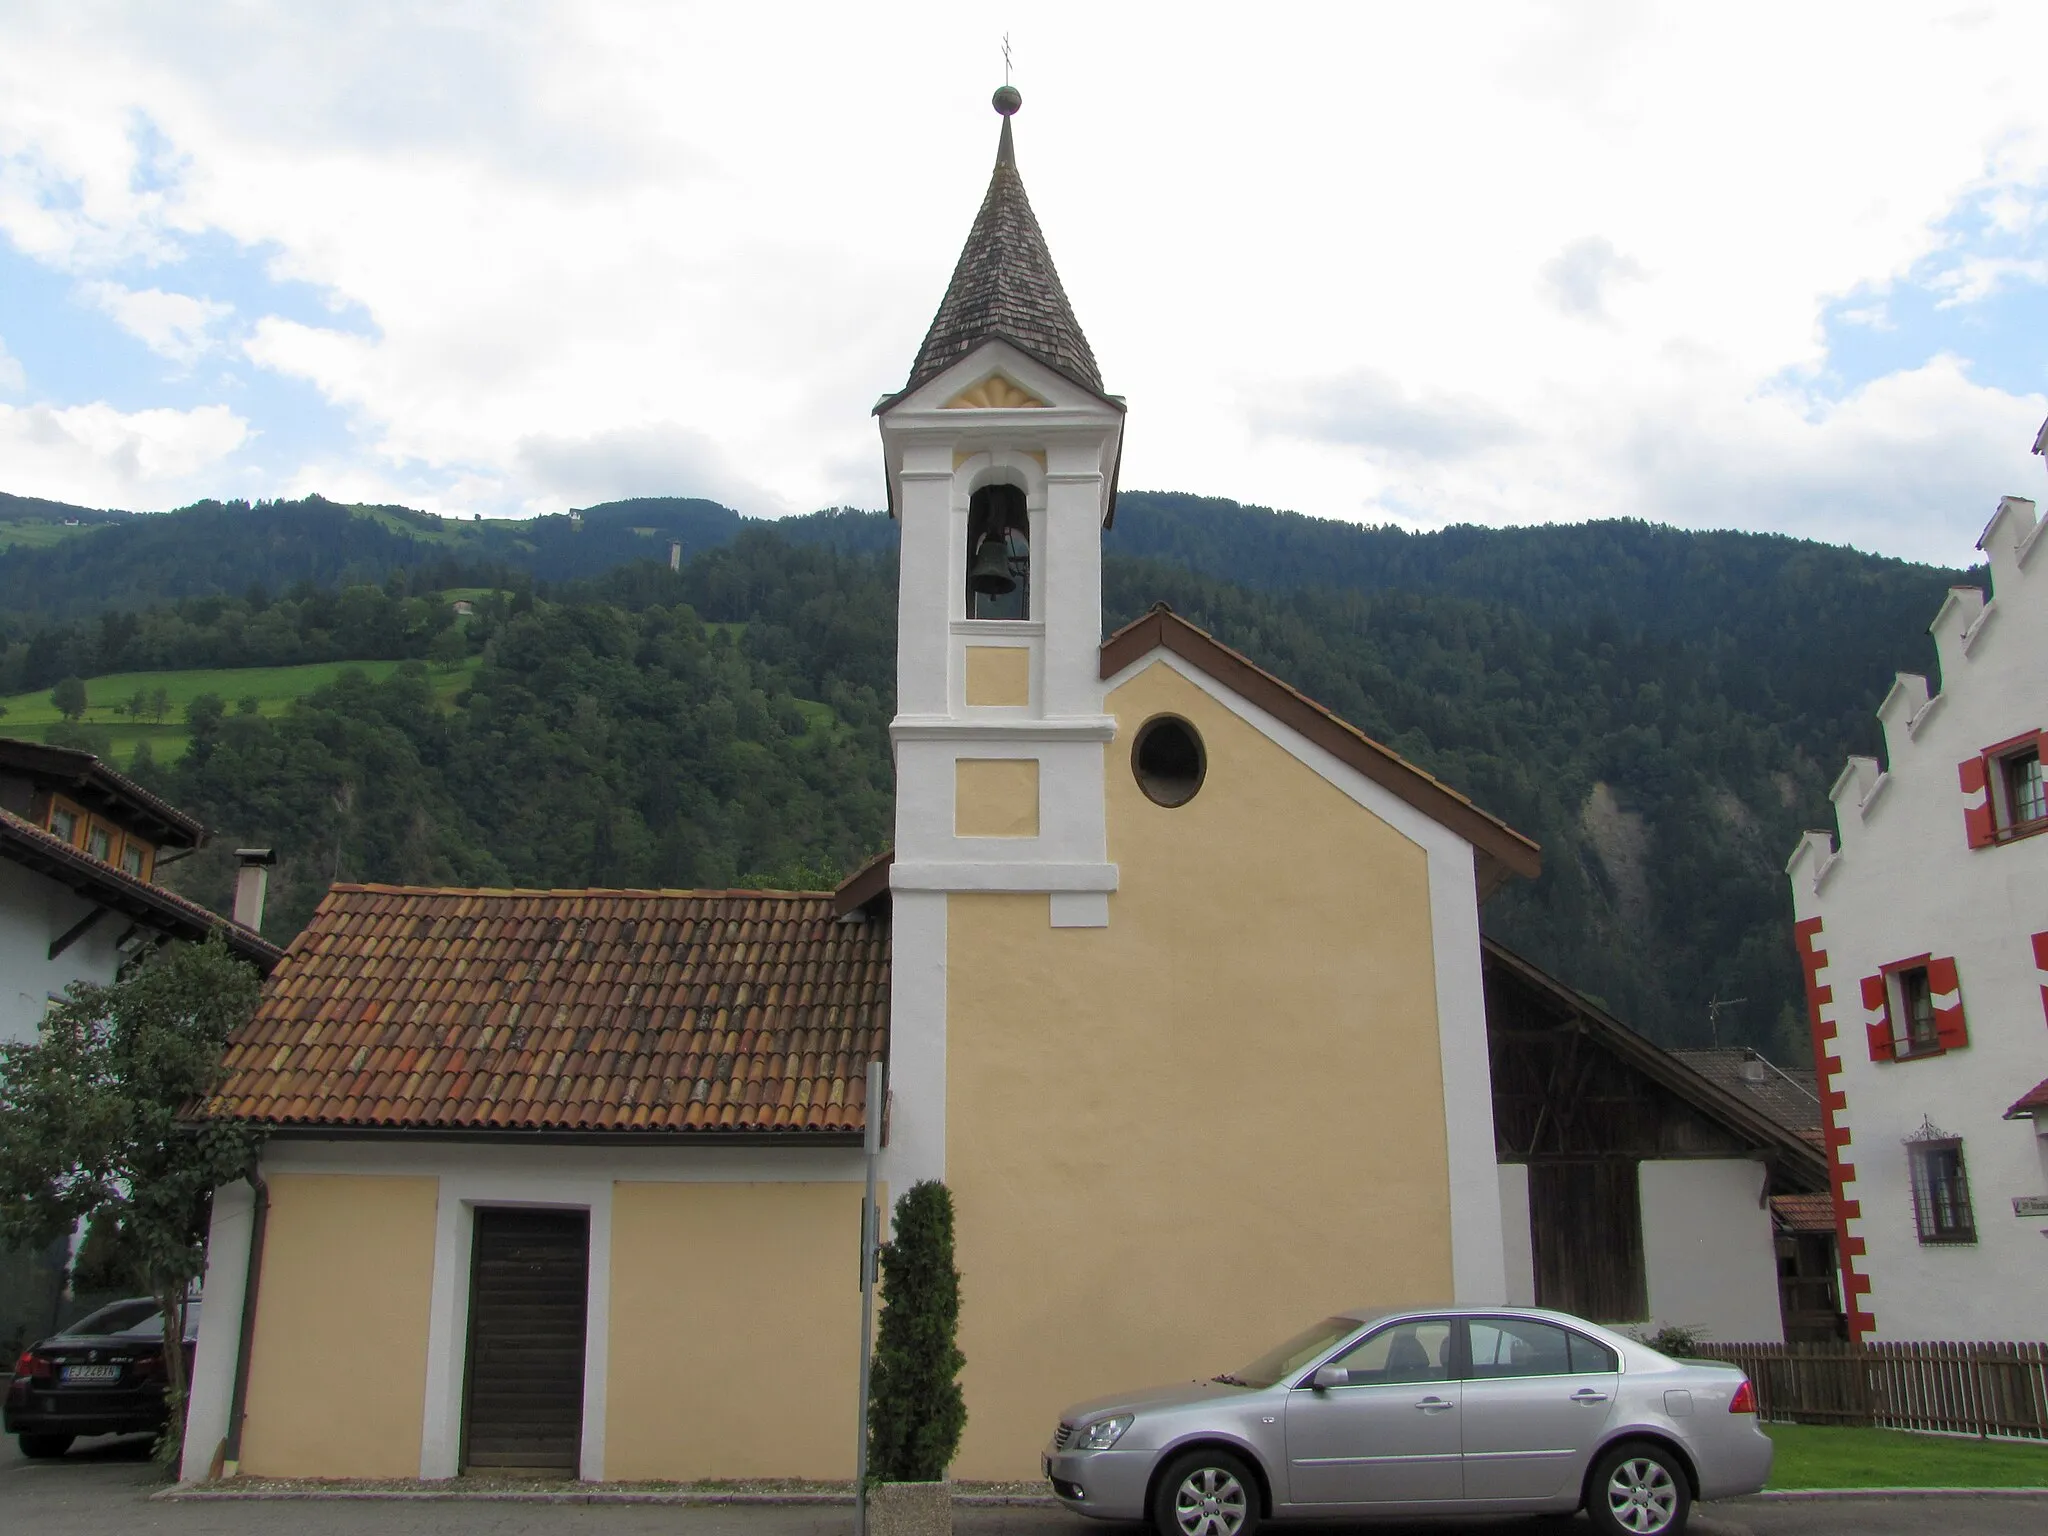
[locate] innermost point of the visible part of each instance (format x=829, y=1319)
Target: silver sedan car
x=1444, y=1410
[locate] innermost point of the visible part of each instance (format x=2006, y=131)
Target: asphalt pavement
x=103, y=1488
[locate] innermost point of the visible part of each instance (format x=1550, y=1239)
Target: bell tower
x=1001, y=451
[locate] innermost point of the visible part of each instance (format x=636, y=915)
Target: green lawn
x=30, y=715
x=39, y=533
x=1820, y=1456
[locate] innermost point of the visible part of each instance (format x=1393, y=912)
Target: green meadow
x=30, y=715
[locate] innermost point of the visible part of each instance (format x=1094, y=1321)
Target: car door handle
x=1588, y=1395
x=1434, y=1405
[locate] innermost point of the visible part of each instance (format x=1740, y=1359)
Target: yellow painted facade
x=1176, y=1140
x=338, y=1367
x=995, y=797
x=734, y=1317
x=998, y=675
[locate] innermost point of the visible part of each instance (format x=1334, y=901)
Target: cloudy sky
x=1772, y=266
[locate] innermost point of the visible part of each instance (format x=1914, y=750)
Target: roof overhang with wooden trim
x=83, y=777
x=118, y=892
x=1500, y=851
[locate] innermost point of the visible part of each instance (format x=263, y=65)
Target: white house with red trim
x=1924, y=937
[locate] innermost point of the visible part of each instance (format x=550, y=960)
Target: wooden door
x=1586, y=1226
x=528, y=1291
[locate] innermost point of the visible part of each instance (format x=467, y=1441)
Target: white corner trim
x=916, y=1147
x=999, y=875
x=980, y=728
x=220, y=1326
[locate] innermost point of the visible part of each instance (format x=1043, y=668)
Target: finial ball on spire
x=1008, y=99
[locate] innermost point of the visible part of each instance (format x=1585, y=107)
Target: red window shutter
x=1877, y=1000
x=1949, y=1025
x=1977, y=822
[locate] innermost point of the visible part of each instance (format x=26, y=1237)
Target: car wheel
x=1638, y=1489
x=42, y=1447
x=1206, y=1493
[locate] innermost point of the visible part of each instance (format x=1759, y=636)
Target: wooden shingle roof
x=1005, y=287
x=577, y=1012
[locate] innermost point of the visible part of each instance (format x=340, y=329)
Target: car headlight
x=1103, y=1433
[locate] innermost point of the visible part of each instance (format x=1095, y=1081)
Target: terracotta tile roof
x=1804, y=1213
x=1005, y=286
x=150, y=905
x=2035, y=1100
x=567, y=1011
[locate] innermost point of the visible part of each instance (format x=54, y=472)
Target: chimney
x=675, y=554
x=252, y=883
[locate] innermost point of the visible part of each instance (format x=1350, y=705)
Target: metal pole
x=870, y=1236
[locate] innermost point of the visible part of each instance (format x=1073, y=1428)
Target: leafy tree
x=92, y=1129
x=916, y=1413
x=69, y=698
x=448, y=649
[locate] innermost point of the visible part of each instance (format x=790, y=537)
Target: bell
x=990, y=572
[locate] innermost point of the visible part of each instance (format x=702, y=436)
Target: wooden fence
x=1972, y=1389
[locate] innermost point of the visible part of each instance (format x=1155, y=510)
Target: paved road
x=102, y=1489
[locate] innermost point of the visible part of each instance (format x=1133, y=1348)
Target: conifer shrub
x=915, y=1410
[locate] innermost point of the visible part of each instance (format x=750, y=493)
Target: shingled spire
x=1005, y=285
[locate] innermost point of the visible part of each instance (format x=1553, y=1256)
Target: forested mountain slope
x=1663, y=710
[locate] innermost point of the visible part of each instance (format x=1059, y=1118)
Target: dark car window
x=1517, y=1346
x=137, y=1319
x=1590, y=1355
x=1297, y=1351
x=118, y=1317
x=1406, y=1352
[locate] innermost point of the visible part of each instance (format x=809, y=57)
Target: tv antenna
x=1715, y=1005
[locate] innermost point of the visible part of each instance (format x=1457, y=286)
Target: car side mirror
x=1328, y=1376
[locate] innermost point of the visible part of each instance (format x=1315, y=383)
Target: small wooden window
x=1941, y=1191
x=64, y=821
x=99, y=842
x=2026, y=791
x=1916, y=1012
x=135, y=859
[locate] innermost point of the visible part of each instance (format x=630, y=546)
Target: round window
x=1168, y=761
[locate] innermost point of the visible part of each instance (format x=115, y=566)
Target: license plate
x=84, y=1373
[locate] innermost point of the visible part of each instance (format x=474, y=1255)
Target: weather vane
x=1006, y=58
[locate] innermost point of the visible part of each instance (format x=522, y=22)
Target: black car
x=104, y=1375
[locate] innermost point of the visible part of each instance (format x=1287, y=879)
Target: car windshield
x=1295, y=1353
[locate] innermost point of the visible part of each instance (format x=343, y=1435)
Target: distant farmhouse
x=1179, y=983
x=1924, y=936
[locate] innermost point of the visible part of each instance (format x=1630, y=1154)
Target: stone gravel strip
x=1900, y=1493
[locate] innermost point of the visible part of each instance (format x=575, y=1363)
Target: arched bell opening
x=998, y=554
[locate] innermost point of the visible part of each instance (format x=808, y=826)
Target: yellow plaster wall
x=1176, y=1140
x=995, y=797
x=998, y=674
x=735, y=1311
x=338, y=1370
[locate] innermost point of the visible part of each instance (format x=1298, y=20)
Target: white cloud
x=12, y=377
x=682, y=247
x=172, y=325
x=96, y=455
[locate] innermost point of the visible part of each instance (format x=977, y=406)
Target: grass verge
x=1823, y=1456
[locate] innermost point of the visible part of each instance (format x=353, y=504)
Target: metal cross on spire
x=1006, y=58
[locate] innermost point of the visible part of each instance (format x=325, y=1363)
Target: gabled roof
x=1005, y=286
x=1788, y=1148
x=97, y=787
x=150, y=906
x=608, y=1014
x=1501, y=850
